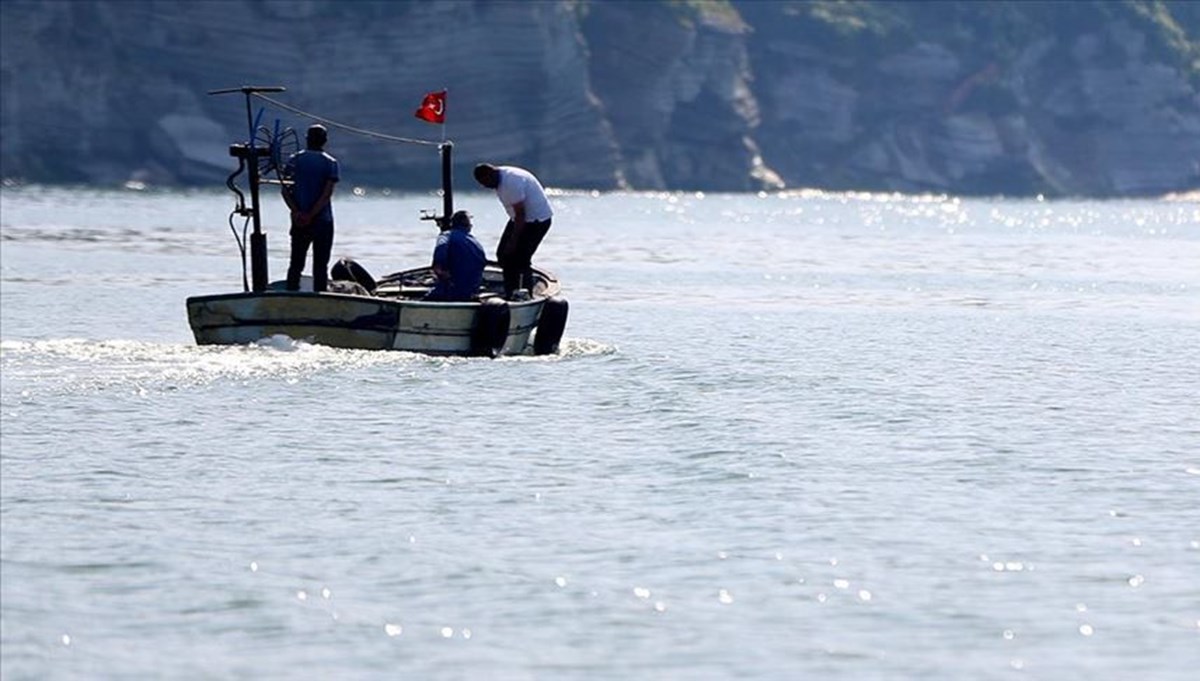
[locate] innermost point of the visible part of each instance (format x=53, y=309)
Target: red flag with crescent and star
x=433, y=108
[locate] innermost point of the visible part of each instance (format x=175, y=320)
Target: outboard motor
x=550, y=326
x=491, y=328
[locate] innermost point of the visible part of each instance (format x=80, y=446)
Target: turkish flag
x=433, y=108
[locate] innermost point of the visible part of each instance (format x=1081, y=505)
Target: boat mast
x=250, y=154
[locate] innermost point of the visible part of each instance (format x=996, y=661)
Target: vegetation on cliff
x=997, y=30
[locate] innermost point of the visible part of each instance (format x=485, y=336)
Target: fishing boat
x=359, y=311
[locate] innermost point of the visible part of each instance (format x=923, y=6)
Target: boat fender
x=346, y=269
x=551, y=324
x=491, y=328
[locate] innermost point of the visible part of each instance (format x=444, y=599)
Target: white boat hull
x=363, y=322
x=347, y=321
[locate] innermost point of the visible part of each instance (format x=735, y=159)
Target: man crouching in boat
x=310, y=196
x=458, y=261
x=529, y=215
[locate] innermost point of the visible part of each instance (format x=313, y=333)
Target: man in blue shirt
x=458, y=261
x=310, y=197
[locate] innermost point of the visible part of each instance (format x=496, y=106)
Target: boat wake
x=569, y=348
x=73, y=365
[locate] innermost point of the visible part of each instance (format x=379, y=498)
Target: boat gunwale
x=377, y=300
x=552, y=288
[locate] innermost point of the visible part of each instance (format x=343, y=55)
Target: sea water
x=797, y=435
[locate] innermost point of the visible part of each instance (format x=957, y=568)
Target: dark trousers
x=318, y=234
x=516, y=258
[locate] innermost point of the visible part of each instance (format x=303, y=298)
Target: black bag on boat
x=346, y=269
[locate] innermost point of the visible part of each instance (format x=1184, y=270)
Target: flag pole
x=433, y=110
x=447, y=167
x=447, y=182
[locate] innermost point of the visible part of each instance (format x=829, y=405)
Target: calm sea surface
x=788, y=436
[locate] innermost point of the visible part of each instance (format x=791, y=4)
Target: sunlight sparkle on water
x=851, y=341
x=1008, y=566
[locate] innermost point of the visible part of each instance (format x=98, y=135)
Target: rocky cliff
x=1083, y=98
x=1057, y=98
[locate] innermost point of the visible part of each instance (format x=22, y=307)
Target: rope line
x=347, y=128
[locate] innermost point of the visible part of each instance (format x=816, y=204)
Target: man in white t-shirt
x=529, y=215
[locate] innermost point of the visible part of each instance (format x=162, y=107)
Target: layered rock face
x=719, y=96
x=1080, y=108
